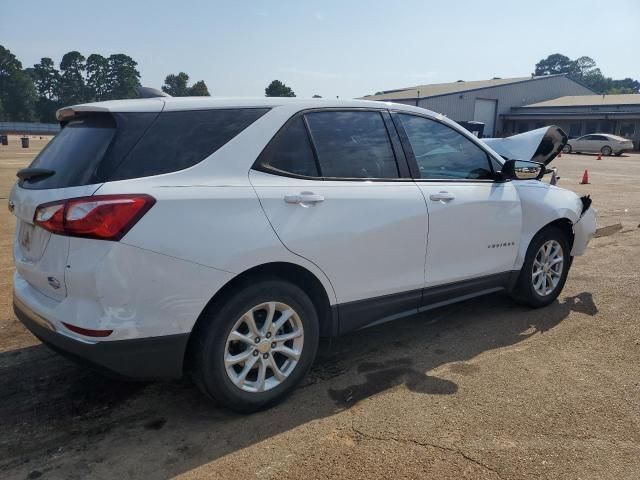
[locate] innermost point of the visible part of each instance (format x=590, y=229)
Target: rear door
x=331, y=187
x=474, y=221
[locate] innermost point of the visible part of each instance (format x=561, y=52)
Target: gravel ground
x=483, y=389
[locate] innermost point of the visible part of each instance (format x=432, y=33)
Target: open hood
x=540, y=145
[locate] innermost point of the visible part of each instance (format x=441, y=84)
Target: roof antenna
x=150, y=92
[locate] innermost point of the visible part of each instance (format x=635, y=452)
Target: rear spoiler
x=541, y=145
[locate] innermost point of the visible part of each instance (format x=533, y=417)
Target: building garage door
x=485, y=112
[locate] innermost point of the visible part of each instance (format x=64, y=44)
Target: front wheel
x=606, y=151
x=545, y=268
x=256, y=347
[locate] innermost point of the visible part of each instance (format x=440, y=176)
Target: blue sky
x=331, y=48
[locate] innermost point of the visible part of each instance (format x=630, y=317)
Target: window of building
x=523, y=127
x=575, y=129
x=591, y=127
x=627, y=129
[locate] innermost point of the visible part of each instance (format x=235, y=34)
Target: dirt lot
x=484, y=389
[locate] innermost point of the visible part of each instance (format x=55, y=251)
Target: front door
x=341, y=203
x=474, y=221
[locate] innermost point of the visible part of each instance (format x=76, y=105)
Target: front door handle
x=443, y=197
x=304, y=198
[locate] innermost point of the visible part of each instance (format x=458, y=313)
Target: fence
x=28, y=128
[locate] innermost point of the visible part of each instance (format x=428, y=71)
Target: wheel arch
x=564, y=224
x=286, y=271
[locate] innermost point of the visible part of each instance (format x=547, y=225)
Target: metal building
x=581, y=115
x=485, y=101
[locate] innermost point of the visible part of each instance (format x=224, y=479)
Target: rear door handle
x=442, y=197
x=304, y=198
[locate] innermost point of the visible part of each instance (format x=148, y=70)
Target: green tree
x=17, y=90
x=122, y=77
x=72, y=89
x=555, y=64
x=278, y=89
x=176, y=85
x=47, y=80
x=97, y=68
x=585, y=70
x=199, y=89
x=626, y=85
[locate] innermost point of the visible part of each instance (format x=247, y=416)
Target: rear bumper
x=152, y=358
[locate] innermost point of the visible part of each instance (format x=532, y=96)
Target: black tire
x=524, y=291
x=207, y=360
x=566, y=149
x=606, y=150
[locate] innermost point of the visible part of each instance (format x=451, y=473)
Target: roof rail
x=150, y=92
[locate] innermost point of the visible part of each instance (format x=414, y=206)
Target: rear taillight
x=104, y=217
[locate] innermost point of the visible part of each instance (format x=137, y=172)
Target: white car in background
x=603, y=143
x=223, y=237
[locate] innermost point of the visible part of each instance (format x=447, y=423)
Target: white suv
x=224, y=237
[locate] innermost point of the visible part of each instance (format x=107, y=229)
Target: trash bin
x=25, y=142
x=4, y=139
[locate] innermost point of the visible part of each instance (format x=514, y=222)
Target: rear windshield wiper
x=34, y=173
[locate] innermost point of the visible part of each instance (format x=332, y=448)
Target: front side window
x=352, y=144
x=443, y=153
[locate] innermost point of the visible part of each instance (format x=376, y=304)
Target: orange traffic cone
x=599, y=157
x=585, y=178
x=560, y=154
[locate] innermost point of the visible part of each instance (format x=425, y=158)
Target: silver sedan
x=604, y=143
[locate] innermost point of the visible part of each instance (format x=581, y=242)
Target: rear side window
x=178, y=140
x=104, y=147
x=290, y=151
x=352, y=144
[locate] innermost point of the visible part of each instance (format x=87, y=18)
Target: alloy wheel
x=547, y=268
x=264, y=347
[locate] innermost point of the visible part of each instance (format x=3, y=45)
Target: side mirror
x=522, y=170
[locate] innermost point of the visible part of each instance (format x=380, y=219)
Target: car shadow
x=46, y=401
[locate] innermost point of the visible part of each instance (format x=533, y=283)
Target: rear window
x=103, y=147
x=178, y=140
x=74, y=154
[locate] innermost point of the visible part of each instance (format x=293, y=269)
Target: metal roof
x=435, y=89
x=589, y=101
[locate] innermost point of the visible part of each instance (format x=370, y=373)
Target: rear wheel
x=257, y=346
x=545, y=268
x=606, y=150
x=566, y=148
